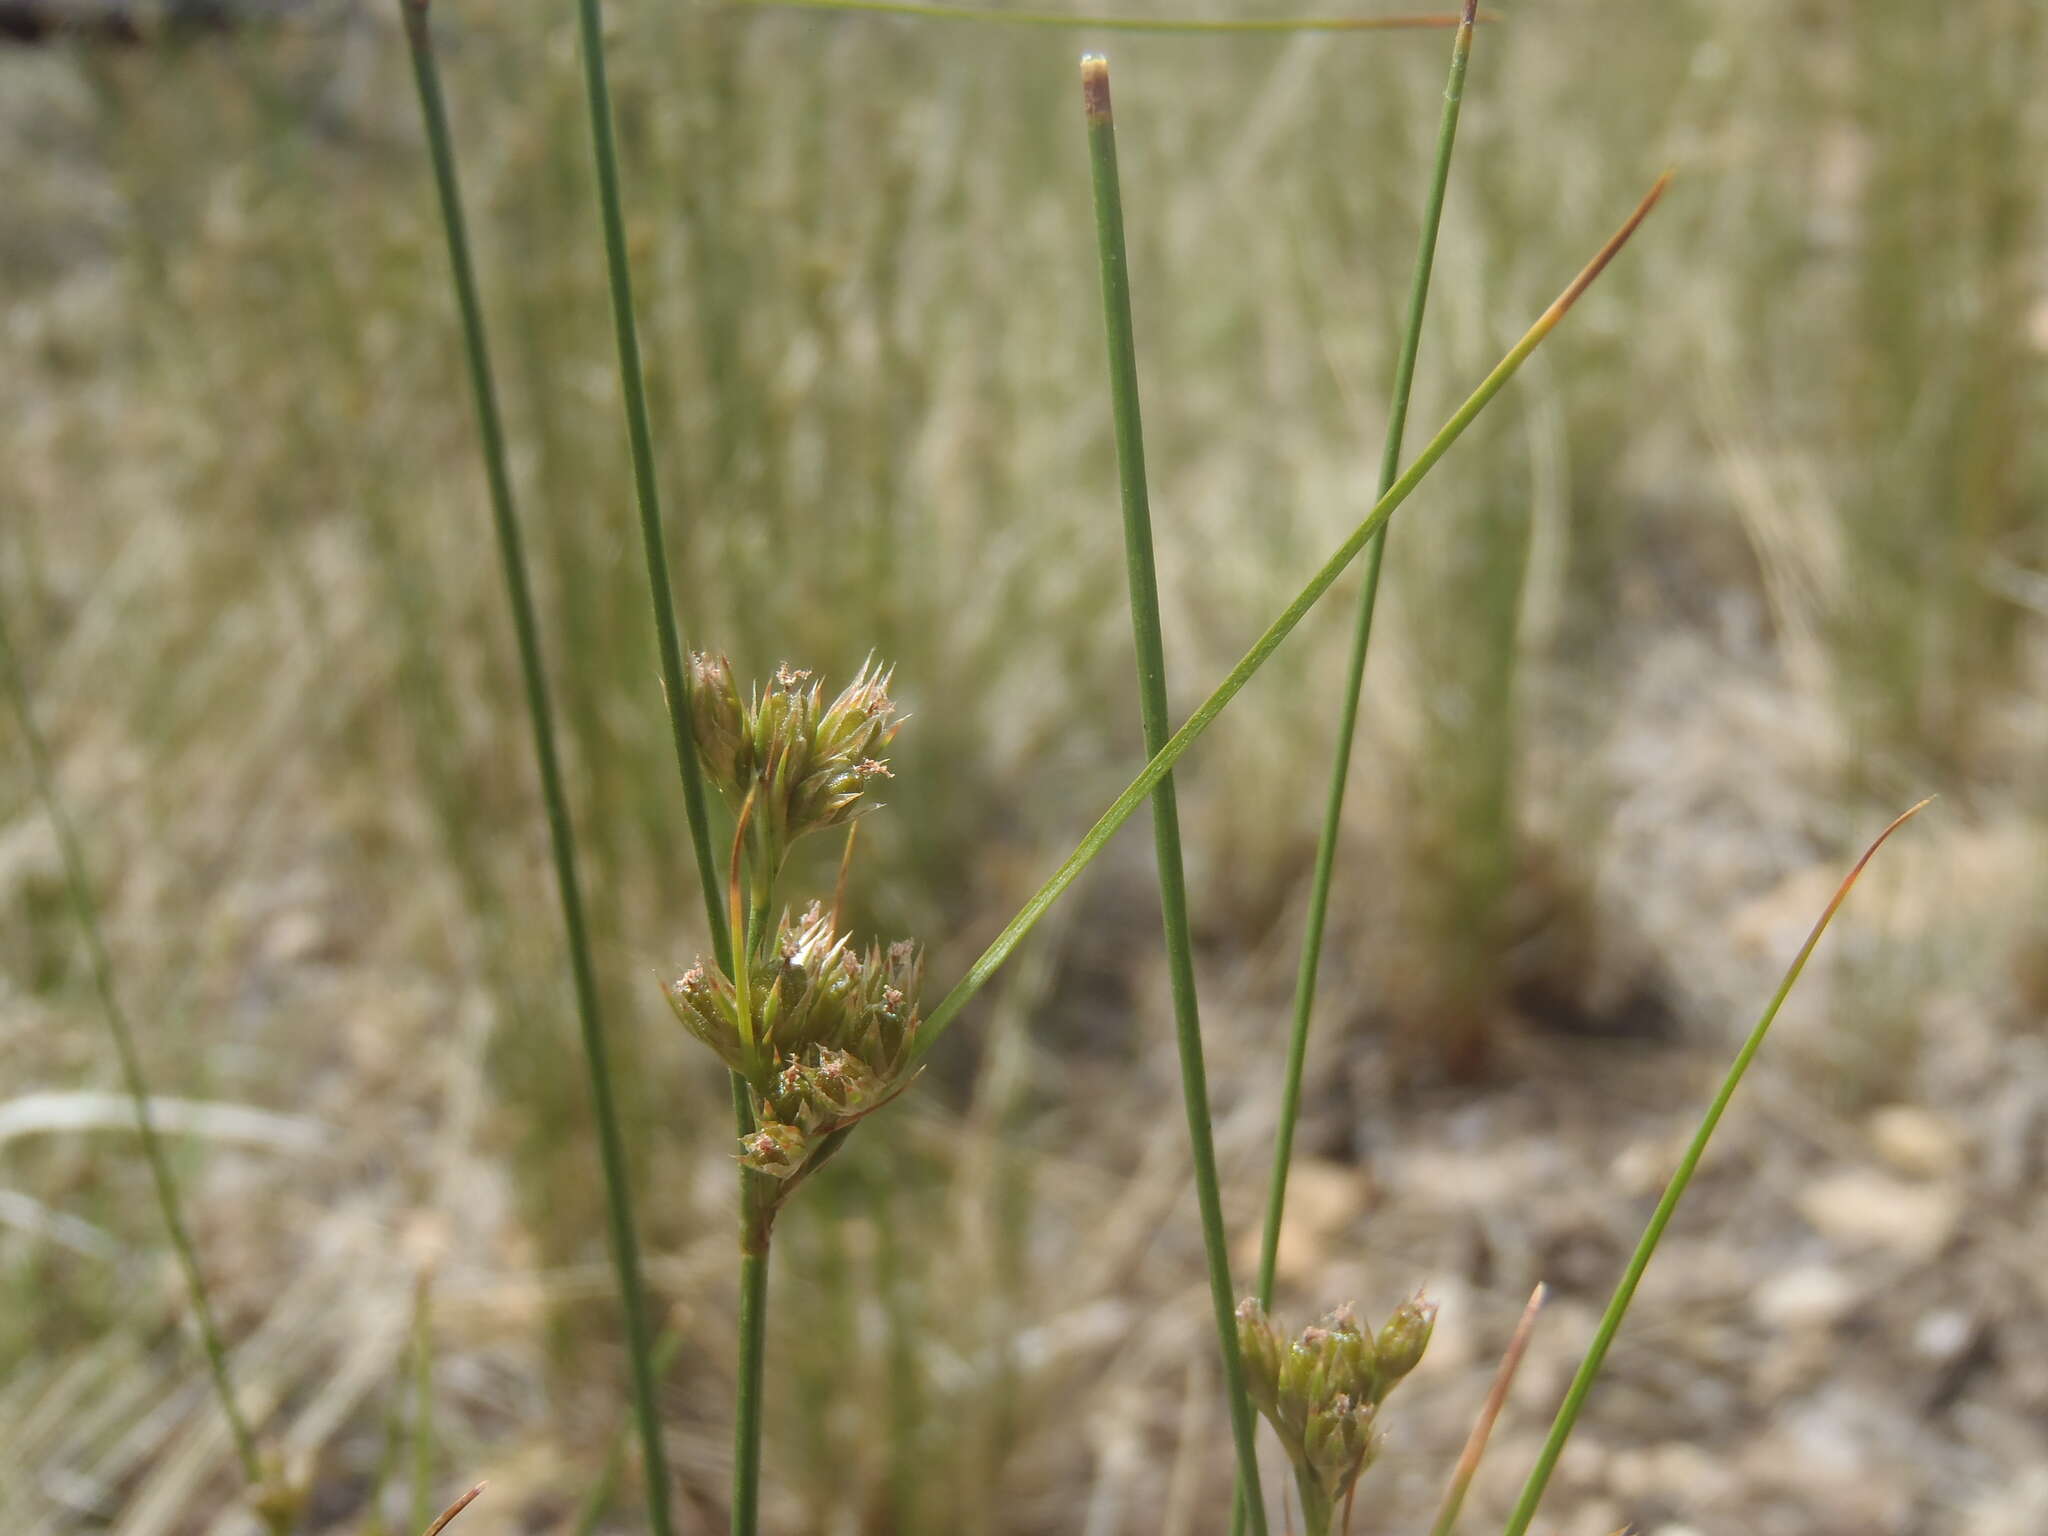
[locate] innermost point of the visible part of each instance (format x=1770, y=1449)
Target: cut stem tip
x=1095, y=86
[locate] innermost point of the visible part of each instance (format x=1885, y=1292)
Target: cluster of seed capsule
x=822, y=1033
x=824, y=1037
x=784, y=760
x=1322, y=1390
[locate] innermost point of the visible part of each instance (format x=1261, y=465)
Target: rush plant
x=815, y=1032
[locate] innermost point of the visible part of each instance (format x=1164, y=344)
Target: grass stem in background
x=132, y=1075
x=611, y=1148
x=1121, y=809
x=1151, y=656
x=597, y=1499
x=1227, y=26
x=1482, y=1427
x=1624, y=1293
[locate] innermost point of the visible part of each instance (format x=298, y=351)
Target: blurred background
x=1752, y=555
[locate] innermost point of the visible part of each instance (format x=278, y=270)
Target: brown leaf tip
x=448, y=1515
x=1095, y=87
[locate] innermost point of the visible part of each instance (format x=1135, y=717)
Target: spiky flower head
x=827, y=1034
x=784, y=759
x=1322, y=1391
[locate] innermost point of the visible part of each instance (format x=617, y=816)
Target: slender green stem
x=676, y=691
x=1316, y=1507
x=611, y=1147
x=1151, y=655
x=423, y=1403
x=1617, y=1307
x=137, y=1082
x=1361, y=638
x=1354, y=680
x=1228, y=25
x=757, y=1206
x=753, y=1337
x=1205, y=714
x=675, y=680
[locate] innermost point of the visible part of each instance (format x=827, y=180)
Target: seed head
x=772, y=1147
x=830, y=1040
x=792, y=762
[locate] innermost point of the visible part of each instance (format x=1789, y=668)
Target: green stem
x=611, y=1148
x=423, y=1404
x=1121, y=809
x=137, y=1083
x=675, y=681
x=1361, y=639
x=746, y=1435
x=1224, y=25
x=1354, y=680
x=757, y=1206
x=1151, y=654
x=1617, y=1307
x=1316, y=1508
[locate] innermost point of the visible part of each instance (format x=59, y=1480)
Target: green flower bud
x=1322, y=1391
x=1403, y=1338
x=706, y=1004
x=718, y=721
x=1259, y=1347
x=1339, y=1445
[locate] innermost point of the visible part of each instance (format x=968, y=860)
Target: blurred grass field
x=1753, y=554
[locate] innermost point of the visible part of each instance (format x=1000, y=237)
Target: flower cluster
x=1322, y=1391
x=785, y=761
x=823, y=1035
